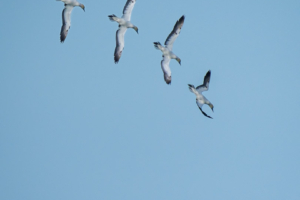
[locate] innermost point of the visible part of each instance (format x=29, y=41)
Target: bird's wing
x=200, y=107
x=128, y=9
x=166, y=69
x=205, y=85
x=174, y=34
x=66, y=22
x=119, y=43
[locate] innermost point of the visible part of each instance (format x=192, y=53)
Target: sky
x=75, y=125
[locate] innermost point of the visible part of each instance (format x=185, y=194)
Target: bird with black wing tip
x=167, y=50
x=66, y=17
x=200, y=99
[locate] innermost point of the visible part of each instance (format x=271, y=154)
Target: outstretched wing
x=166, y=69
x=174, y=34
x=128, y=9
x=200, y=107
x=205, y=85
x=66, y=22
x=119, y=43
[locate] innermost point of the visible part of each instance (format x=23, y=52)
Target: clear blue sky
x=74, y=125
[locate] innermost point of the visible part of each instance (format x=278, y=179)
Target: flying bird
x=200, y=99
x=167, y=50
x=66, y=17
x=124, y=23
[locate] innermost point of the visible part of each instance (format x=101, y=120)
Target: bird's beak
x=83, y=7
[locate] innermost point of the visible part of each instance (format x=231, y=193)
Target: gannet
x=200, y=99
x=167, y=50
x=124, y=23
x=66, y=17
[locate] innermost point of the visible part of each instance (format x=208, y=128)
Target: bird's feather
x=200, y=107
x=166, y=69
x=174, y=34
x=66, y=22
x=119, y=43
x=205, y=85
x=128, y=9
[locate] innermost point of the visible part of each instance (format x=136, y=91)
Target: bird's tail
x=112, y=17
x=192, y=88
x=157, y=45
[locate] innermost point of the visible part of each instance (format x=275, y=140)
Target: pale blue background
x=74, y=125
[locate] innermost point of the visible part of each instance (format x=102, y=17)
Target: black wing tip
x=168, y=79
x=206, y=78
x=205, y=113
x=208, y=73
x=63, y=33
x=62, y=39
x=191, y=86
x=117, y=59
x=180, y=21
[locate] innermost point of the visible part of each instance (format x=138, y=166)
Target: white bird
x=167, y=50
x=66, y=17
x=124, y=23
x=200, y=99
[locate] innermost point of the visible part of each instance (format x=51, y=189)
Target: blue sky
x=74, y=125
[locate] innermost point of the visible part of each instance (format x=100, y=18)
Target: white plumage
x=167, y=50
x=66, y=17
x=124, y=23
x=200, y=99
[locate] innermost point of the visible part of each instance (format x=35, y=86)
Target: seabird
x=66, y=17
x=124, y=23
x=200, y=99
x=167, y=50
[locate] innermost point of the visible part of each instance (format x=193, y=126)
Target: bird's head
x=82, y=6
x=136, y=29
x=211, y=106
x=178, y=60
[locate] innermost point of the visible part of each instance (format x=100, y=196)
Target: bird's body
x=66, y=17
x=124, y=24
x=167, y=50
x=121, y=21
x=200, y=99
